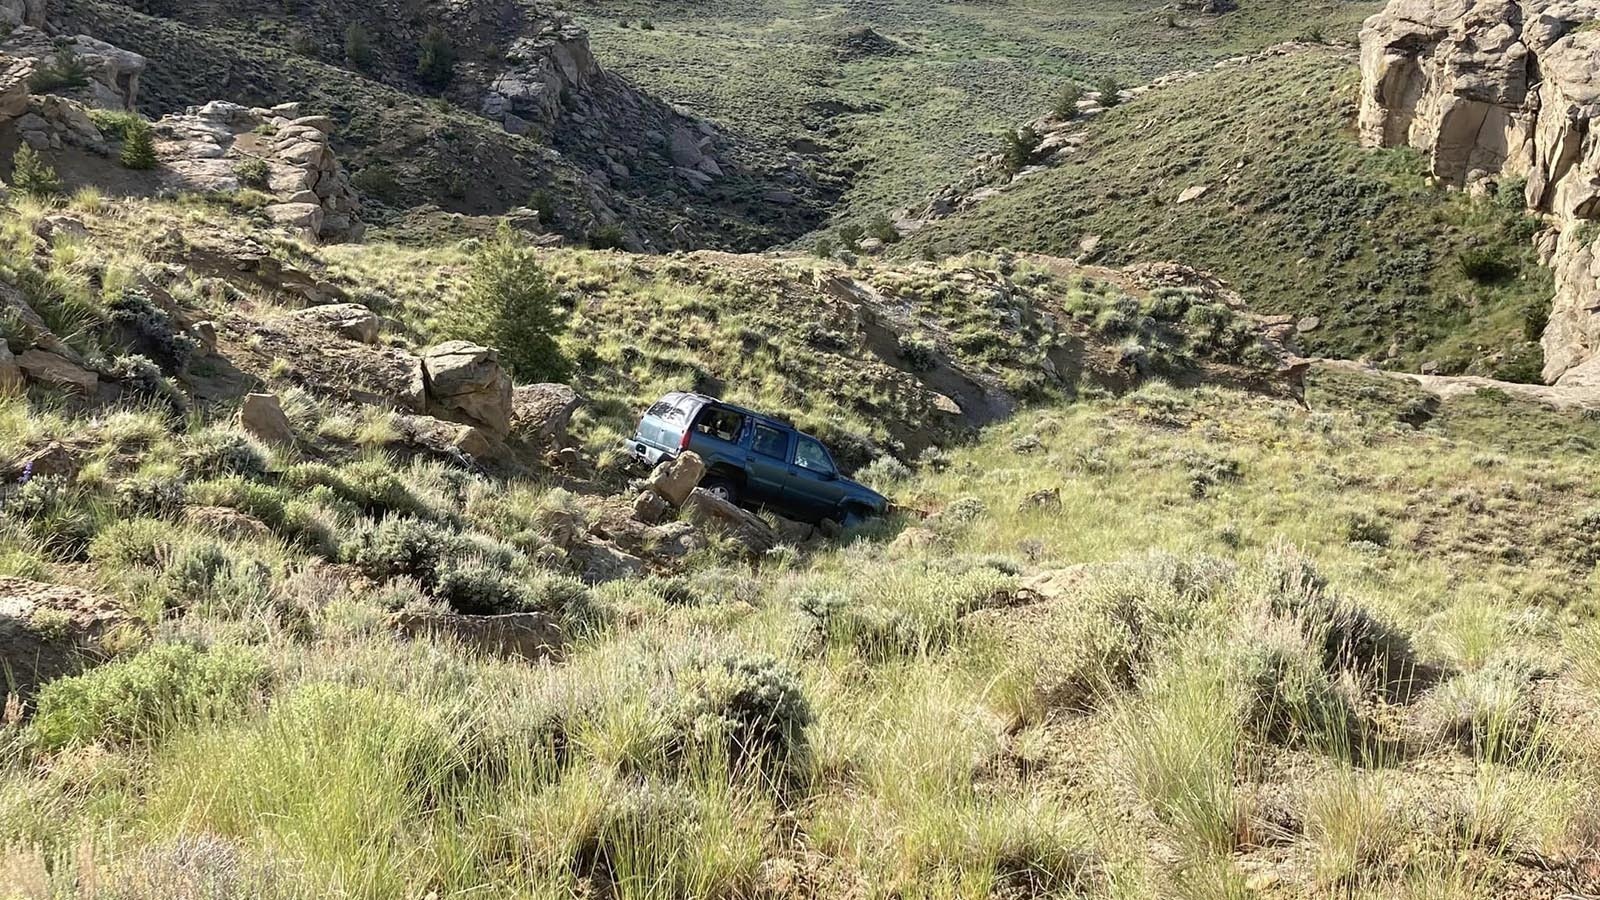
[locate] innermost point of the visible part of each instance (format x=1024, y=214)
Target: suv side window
x=724, y=424
x=769, y=441
x=810, y=455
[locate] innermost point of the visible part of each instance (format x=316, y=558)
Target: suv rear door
x=814, y=488
x=665, y=422
x=767, y=470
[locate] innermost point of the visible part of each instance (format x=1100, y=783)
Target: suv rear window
x=666, y=412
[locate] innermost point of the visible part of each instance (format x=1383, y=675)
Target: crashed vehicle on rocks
x=751, y=458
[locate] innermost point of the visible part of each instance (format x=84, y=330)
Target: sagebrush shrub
x=222, y=450
x=139, y=700
x=753, y=702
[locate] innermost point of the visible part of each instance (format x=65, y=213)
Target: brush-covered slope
x=1293, y=212
x=1176, y=639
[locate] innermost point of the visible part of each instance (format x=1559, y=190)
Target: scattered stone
x=1309, y=323
x=1049, y=499
x=11, y=377
x=227, y=522
x=650, y=507
x=351, y=321
x=53, y=460
x=1192, y=194
x=55, y=371
x=599, y=562
x=262, y=416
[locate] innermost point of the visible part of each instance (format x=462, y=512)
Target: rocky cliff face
x=1495, y=89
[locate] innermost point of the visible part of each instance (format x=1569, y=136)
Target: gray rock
x=465, y=382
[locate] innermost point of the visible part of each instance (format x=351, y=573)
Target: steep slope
x=520, y=114
x=1253, y=171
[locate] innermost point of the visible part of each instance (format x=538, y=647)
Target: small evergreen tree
x=1019, y=148
x=1110, y=91
x=850, y=235
x=436, y=64
x=511, y=306
x=138, y=148
x=1067, y=101
x=32, y=175
x=358, y=46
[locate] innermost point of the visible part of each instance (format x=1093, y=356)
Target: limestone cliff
x=1500, y=89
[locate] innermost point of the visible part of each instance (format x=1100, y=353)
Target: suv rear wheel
x=721, y=488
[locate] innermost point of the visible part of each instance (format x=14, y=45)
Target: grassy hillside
x=906, y=112
x=1242, y=649
x=1298, y=217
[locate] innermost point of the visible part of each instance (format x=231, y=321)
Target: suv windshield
x=811, y=455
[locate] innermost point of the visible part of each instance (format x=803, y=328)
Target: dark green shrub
x=254, y=173
x=377, y=181
x=850, y=235
x=825, y=247
x=882, y=228
x=920, y=353
x=138, y=148
x=1485, y=265
x=152, y=331
x=436, y=63
x=137, y=701
x=400, y=546
x=143, y=379
x=66, y=72
x=1110, y=91
x=1018, y=148
x=32, y=175
x=607, y=237
x=1067, y=102
x=358, y=46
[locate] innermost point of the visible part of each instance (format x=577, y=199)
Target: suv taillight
x=683, y=442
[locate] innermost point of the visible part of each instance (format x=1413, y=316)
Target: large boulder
x=351, y=321
x=531, y=636
x=540, y=413
x=22, y=12
x=464, y=382
x=673, y=479
x=708, y=510
x=48, y=631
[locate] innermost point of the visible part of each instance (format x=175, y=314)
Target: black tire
x=724, y=488
x=855, y=516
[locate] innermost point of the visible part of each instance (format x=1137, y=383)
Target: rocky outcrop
x=465, y=383
x=48, y=631
x=111, y=74
x=14, y=75
x=1498, y=89
x=222, y=147
x=708, y=510
x=674, y=478
x=540, y=414
x=541, y=68
x=16, y=13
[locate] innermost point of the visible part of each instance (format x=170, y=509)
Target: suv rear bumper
x=645, y=453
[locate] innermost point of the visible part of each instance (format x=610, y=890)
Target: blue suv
x=753, y=458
